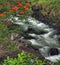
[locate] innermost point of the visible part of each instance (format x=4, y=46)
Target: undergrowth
x=24, y=59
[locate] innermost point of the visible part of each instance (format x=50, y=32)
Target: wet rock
x=35, y=8
x=53, y=51
x=14, y=36
x=36, y=12
x=23, y=42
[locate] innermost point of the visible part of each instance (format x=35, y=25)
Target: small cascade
x=42, y=37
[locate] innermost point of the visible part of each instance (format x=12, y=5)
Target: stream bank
x=25, y=46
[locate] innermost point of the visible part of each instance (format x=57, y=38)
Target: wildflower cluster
x=15, y=7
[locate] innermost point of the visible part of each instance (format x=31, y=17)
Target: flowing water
x=42, y=37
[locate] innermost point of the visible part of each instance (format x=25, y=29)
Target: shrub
x=23, y=59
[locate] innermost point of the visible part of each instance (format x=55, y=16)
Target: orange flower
x=22, y=13
x=20, y=5
x=10, y=10
x=2, y=14
x=27, y=4
x=15, y=8
x=25, y=8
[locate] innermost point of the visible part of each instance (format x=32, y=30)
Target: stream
x=42, y=37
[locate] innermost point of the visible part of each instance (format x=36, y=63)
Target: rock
x=53, y=51
x=14, y=36
x=35, y=8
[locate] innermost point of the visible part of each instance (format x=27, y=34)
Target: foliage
x=16, y=29
x=3, y=32
x=55, y=4
x=23, y=59
x=52, y=6
x=12, y=46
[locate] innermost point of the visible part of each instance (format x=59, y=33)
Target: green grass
x=55, y=4
x=50, y=5
x=12, y=46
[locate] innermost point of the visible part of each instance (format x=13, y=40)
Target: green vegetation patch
x=3, y=33
x=55, y=4
x=52, y=6
x=16, y=29
x=24, y=59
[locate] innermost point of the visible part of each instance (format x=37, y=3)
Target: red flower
x=1, y=15
x=26, y=8
x=22, y=13
x=20, y=5
x=15, y=8
x=10, y=10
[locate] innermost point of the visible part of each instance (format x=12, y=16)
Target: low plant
x=12, y=46
x=16, y=29
x=23, y=59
